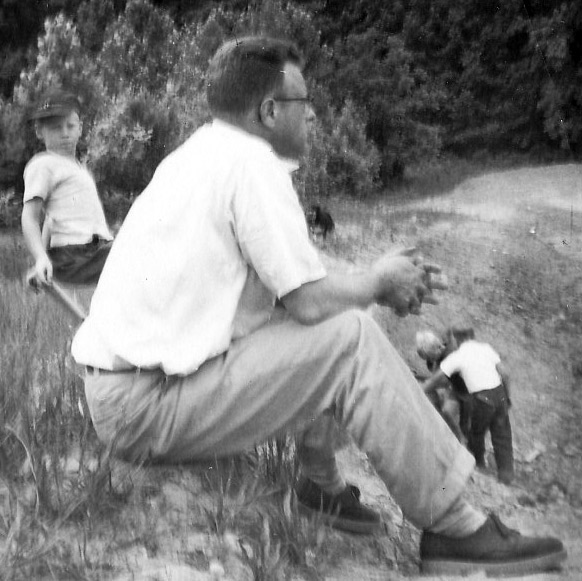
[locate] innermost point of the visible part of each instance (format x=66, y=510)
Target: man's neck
x=248, y=124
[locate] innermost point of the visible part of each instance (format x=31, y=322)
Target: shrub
x=341, y=160
x=135, y=132
x=62, y=61
x=354, y=162
x=378, y=73
x=140, y=49
x=12, y=147
x=10, y=209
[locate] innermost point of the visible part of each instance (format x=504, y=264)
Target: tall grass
x=52, y=470
x=58, y=485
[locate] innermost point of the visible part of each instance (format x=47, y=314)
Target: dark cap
x=56, y=103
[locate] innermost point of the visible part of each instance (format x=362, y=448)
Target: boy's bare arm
x=438, y=379
x=505, y=378
x=31, y=216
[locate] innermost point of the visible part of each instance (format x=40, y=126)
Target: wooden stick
x=59, y=294
x=63, y=297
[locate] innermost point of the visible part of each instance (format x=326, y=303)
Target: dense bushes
x=395, y=85
x=142, y=84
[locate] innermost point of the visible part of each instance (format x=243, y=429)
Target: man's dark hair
x=463, y=334
x=244, y=70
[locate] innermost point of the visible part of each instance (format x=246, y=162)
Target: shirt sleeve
x=37, y=179
x=451, y=364
x=495, y=357
x=271, y=229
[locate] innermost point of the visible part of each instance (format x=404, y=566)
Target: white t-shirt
x=205, y=250
x=476, y=363
x=71, y=200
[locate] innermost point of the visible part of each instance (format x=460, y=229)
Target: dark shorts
x=80, y=263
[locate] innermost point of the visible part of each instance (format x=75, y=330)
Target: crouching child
x=488, y=382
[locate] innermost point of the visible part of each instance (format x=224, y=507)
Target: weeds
x=252, y=497
x=13, y=253
x=56, y=478
x=53, y=472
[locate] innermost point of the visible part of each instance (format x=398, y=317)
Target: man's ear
x=267, y=112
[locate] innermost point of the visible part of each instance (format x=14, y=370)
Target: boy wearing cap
x=56, y=183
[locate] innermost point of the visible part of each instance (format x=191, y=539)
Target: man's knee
x=354, y=327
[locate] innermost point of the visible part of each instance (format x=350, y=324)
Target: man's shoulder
x=236, y=143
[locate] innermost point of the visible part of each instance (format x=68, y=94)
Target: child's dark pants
x=80, y=263
x=490, y=412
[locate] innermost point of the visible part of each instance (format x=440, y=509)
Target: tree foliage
x=378, y=73
x=506, y=68
x=140, y=49
x=394, y=83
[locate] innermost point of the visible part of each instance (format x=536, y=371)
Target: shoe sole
x=342, y=524
x=506, y=569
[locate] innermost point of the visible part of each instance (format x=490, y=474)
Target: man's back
x=476, y=362
x=189, y=239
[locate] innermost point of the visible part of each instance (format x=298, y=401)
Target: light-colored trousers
x=289, y=377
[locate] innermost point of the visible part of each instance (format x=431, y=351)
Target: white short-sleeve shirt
x=70, y=196
x=205, y=250
x=476, y=362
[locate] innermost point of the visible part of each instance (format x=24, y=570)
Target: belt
x=98, y=371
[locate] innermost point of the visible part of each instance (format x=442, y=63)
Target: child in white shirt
x=59, y=186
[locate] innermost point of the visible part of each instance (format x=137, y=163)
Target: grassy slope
x=519, y=290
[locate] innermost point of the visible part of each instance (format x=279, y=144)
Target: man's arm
x=394, y=281
x=505, y=378
x=316, y=301
x=31, y=215
x=438, y=379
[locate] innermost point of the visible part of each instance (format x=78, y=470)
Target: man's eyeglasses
x=307, y=100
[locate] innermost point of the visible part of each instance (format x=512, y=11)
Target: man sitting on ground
x=188, y=355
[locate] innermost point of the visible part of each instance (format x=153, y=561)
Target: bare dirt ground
x=510, y=244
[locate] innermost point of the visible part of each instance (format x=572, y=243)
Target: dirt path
x=511, y=245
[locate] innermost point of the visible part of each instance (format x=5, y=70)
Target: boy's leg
x=483, y=411
x=502, y=440
x=282, y=378
x=465, y=413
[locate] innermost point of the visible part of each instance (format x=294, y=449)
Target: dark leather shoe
x=494, y=548
x=343, y=511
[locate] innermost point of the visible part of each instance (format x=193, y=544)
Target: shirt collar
x=290, y=165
